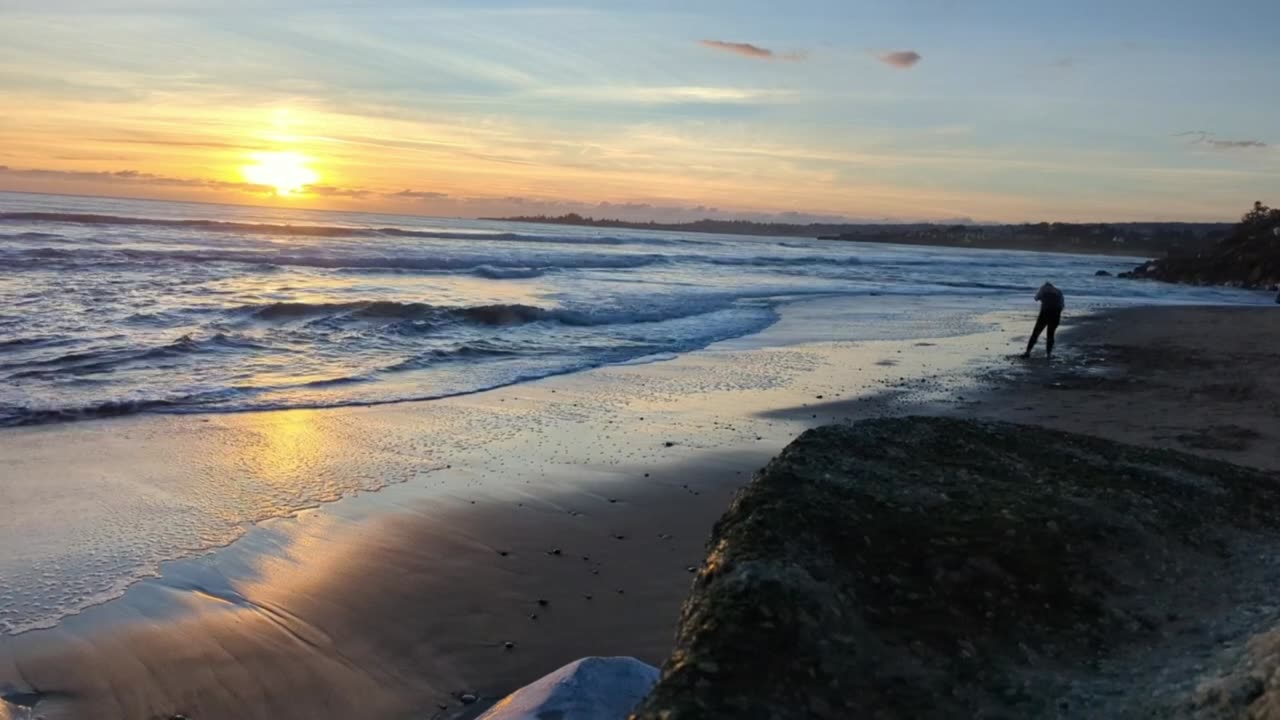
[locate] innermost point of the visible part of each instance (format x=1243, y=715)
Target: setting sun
x=286, y=172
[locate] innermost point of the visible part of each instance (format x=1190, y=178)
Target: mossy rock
x=939, y=568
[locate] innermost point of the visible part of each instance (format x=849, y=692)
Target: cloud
x=1065, y=63
x=671, y=94
x=1202, y=137
x=180, y=143
x=136, y=177
x=332, y=191
x=1234, y=144
x=752, y=51
x=418, y=195
x=901, y=58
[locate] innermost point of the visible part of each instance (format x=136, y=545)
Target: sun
x=286, y=172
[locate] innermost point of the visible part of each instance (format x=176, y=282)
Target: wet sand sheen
x=386, y=617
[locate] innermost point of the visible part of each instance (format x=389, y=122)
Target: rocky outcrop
x=938, y=568
x=1249, y=257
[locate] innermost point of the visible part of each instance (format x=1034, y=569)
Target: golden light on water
x=286, y=172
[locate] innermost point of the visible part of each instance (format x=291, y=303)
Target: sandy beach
x=566, y=520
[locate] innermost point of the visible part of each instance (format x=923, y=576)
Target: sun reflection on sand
x=287, y=447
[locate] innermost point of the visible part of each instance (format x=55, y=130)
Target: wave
x=30, y=236
x=388, y=310
x=772, y=260
x=490, y=266
x=342, y=231
x=89, y=362
x=508, y=273
x=19, y=416
x=497, y=315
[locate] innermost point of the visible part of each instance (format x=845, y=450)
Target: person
x=1051, y=304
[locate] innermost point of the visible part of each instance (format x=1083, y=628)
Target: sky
x=806, y=110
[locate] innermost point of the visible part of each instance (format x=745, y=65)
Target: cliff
x=936, y=568
x=1249, y=257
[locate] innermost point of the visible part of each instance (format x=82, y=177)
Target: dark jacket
x=1050, y=298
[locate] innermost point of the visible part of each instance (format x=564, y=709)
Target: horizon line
x=846, y=221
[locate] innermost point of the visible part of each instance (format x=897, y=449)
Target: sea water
x=111, y=306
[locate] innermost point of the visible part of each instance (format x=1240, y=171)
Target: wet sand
x=593, y=493
x=398, y=615
x=1198, y=379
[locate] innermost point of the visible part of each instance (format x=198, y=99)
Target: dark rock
x=467, y=698
x=934, y=568
x=1248, y=257
x=509, y=645
x=1102, y=273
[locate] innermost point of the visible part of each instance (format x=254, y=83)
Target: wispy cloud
x=136, y=177
x=669, y=94
x=753, y=51
x=901, y=58
x=202, y=144
x=1202, y=137
x=418, y=195
x=335, y=191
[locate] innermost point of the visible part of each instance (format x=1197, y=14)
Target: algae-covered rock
x=937, y=568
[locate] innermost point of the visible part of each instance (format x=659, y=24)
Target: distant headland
x=1161, y=239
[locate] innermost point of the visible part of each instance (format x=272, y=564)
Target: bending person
x=1051, y=304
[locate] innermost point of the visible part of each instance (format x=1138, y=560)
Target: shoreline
x=634, y=462
x=401, y=599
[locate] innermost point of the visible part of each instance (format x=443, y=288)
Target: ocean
x=111, y=306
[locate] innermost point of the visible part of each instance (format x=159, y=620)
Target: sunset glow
x=286, y=172
x=829, y=110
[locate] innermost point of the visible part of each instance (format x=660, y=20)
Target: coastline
x=394, y=603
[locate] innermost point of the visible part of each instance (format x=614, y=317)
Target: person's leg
x=1041, y=321
x=1052, y=326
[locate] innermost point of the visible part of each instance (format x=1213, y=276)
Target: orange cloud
x=751, y=51
x=901, y=58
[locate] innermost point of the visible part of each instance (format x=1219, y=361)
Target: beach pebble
x=668, y=444
x=554, y=551
x=509, y=645
x=467, y=698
